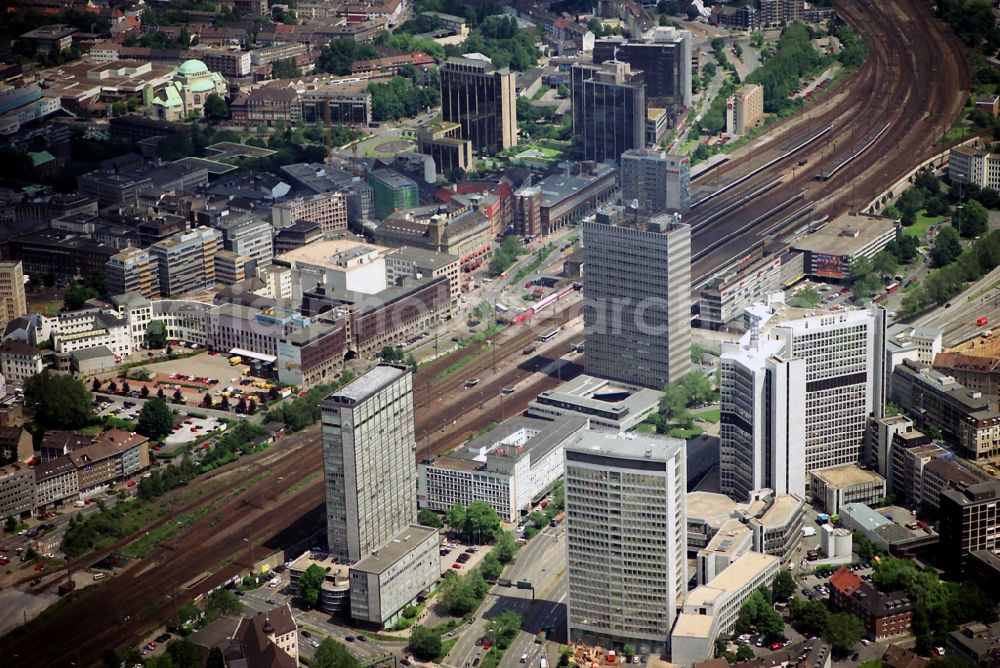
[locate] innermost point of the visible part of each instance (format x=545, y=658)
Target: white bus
x=548, y=336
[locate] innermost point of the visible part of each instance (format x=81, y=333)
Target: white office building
x=796, y=392
x=368, y=461
x=626, y=540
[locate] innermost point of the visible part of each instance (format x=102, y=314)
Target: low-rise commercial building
x=884, y=615
x=765, y=269
x=608, y=405
x=56, y=481
x=341, y=265
x=833, y=487
x=112, y=457
x=312, y=354
x=393, y=576
x=830, y=249
x=334, y=592
x=977, y=374
x=511, y=467
x=975, y=642
x=711, y=609
x=90, y=328
x=411, y=263
x=776, y=522
x=706, y=513
x=730, y=542
x=882, y=532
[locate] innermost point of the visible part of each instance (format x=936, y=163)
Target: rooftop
x=846, y=235
x=709, y=505
x=781, y=511
x=627, y=445
x=693, y=626
x=604, y=396
x=333, y=254
x=367, y=385
x=730, y=581
x=401, y=545
x=847, y=475
x=423, y=258
x=513, y=439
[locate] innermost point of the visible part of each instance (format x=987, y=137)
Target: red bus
x=892, y=287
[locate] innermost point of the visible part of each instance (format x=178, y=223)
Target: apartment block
x=885, y=615
x=745, y=109
x=328, y=210
x=609, y=110
x=12, y=300
x=825, y=369
x=967, y=419
x=637, y=298
x=186, y=261
x=231, y=267
x=112, y=457
x=248, y=237
x=969, y=520
x=19, y=361
x=133, y=270
x=654, y=182
x=368, y=463
x=482, y=100
x=625, y=538
x=17, y=490
x=56, y=482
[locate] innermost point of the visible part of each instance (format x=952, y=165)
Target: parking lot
x=458, y=557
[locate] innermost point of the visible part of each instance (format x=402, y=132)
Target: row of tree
x=781, y=73
x=302, y=412
x=965, y=266
x=402, y=97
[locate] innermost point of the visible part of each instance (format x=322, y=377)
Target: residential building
x=16, y=444
x=969, y=520
x=637, y=301
x=392, y=191
x=977, y=374
x=12, y=300
x=368, y=446
x=609, y=110
x=664, y=60
x=56, y=481
x=189, y=91
x=825, y=369
x=607, y=405
x=511, y=467
x=745, y=109
x=328, y=210
x=269, y=638
x=391, y=577
x=564, y=198
x=186, y=261
x=626, y=569
x=17, y=490
x=19, y=361
x=248, y=237
x=830, y=249
x=133, y=270
x=884, y=615
x=481, y=99
x=969, y=420
x=112, y=457
x=443, y=142
x=654, y=182
x=711, y=609
x=971, y=164
x=779, y=13
x=848, y=483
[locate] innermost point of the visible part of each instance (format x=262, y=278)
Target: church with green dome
x=185, y=95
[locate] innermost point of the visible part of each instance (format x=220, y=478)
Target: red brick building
x=884, y=615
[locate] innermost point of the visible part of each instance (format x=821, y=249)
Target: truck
x=981, y=320
x=66, y=587
x=234, y=360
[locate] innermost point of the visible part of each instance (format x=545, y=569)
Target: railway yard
x=274, y=498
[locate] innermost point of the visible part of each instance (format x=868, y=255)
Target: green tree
x=156, y=334
x=885, y=263
x=77, y=295
x=459, y=595
x=183, y=652
x=187, y=613
x=424, y=643
x=216, y=109
x=333, y=654
x=60, y=401
x=758, y=612
x=974, y=219
x=155, y=419
x=691, y=12
x=506, y=546
x=947, y=247
x=744, y=653
x=843, y=631
x=491, y=567
x=429, y=518
x=216, y=659
x=481, y=522
x=222, y=603
x=10, y=524
x=783, y=586
x=310, y=582
x=563, y=91
x=455, y=518
x=808, y=616
x=698, y=388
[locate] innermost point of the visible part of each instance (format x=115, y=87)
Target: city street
x=542, y=562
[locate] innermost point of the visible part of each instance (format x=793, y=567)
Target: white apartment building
x=368, y=461
x=969, y=164
x=625, y=538
x=19, y=361
x=391, y=577
x=249, y=238
x=798, y=377
x=637, y=298
x=711, y=609
x=90, y=328
x=511, y=467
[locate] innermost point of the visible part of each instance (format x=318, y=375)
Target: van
x=98, y=576
x=524, y=658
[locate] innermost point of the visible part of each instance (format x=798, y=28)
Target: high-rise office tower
x=637, y=297
x=482, y=99
x=12, y=300
x=969, y=521
x=796, y=393
x=626, y=538
x=609, y=110
x=368, y=461
x=664, y=60
x=657, y=182
x=186, y=261
x=132, y=270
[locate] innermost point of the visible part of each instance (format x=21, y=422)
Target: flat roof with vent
x=401, y=545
